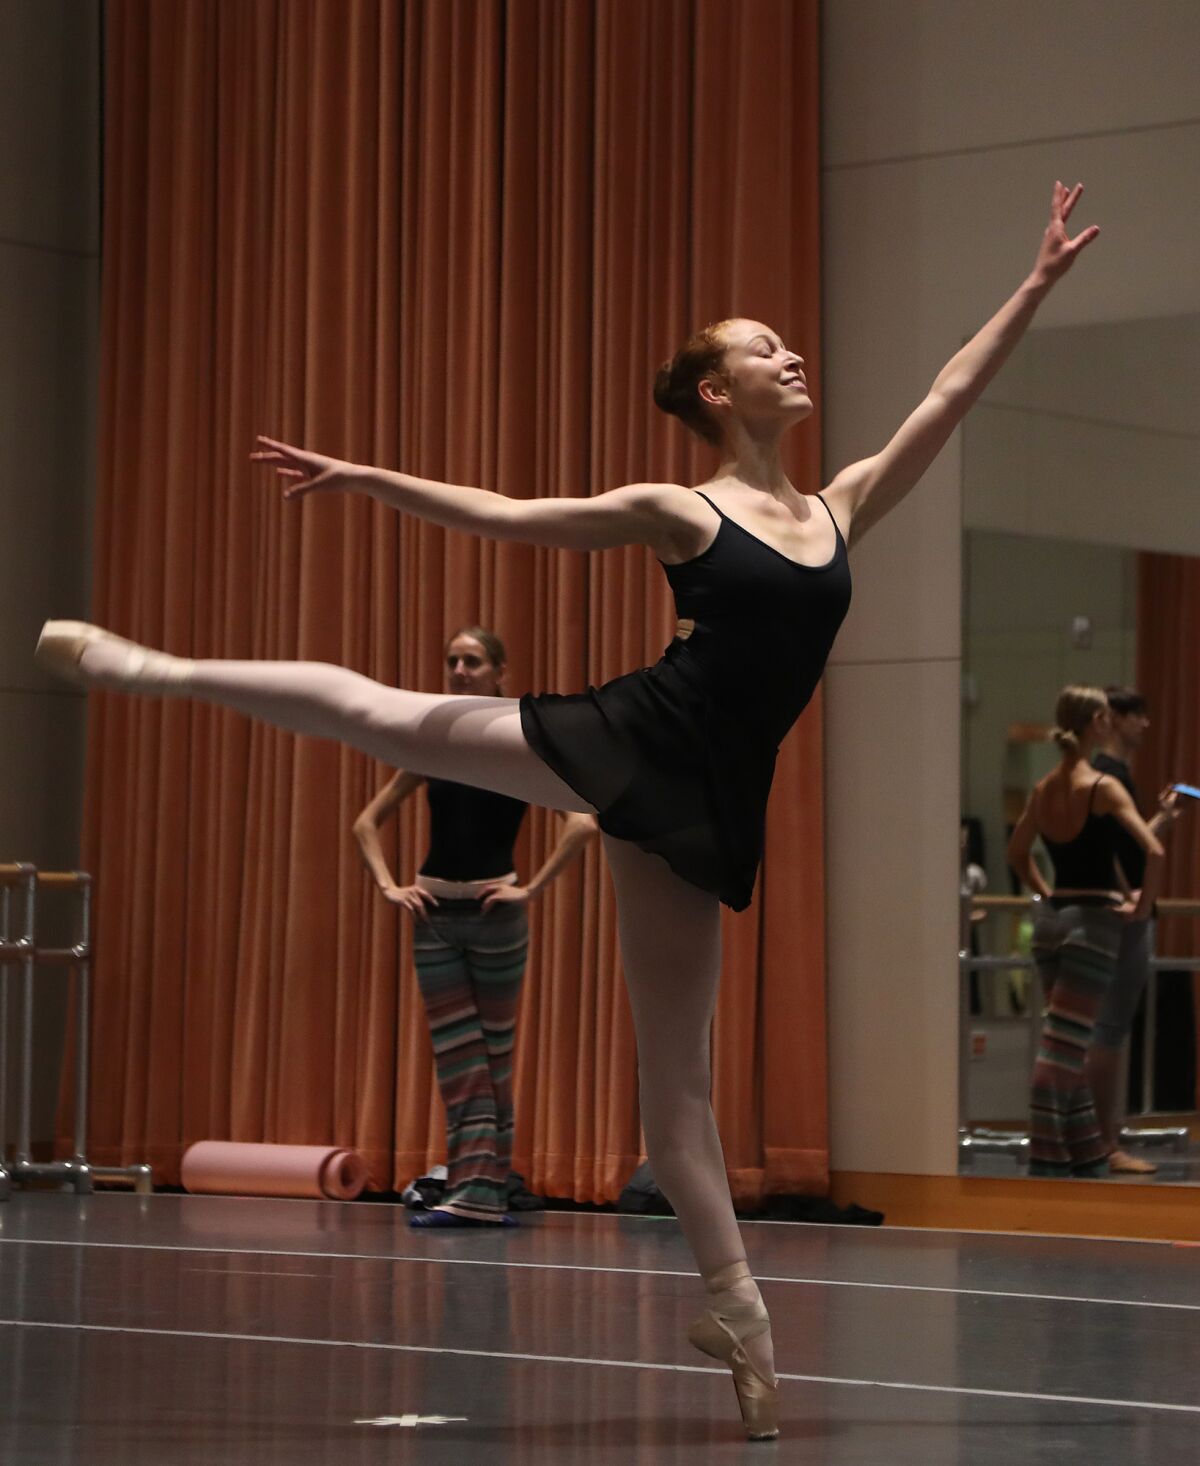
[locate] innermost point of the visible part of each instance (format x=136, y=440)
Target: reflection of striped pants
x=1076, y=951
x=469, y=969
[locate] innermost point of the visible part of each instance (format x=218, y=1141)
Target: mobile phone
x=1189, y=789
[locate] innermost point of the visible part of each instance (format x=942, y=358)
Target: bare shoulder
x=686, y=523
x=677, y=520
x=1111, y=795
x=666, y=498
x=1046, y=785
x=843, y=493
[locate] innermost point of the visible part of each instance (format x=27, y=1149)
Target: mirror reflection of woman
x=470, y=943
x=1105, y=1069
x=1077, y=813
x=675, y=759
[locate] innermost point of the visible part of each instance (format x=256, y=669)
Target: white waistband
x=463, y=890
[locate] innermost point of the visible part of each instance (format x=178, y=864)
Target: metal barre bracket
x=22, y=951
x=981, y=1141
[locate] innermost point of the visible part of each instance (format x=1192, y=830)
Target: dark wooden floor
x=202, y=1330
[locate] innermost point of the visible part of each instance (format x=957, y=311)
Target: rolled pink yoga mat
x=237, y=1168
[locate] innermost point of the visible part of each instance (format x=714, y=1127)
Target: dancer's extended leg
x=475, y=740
x=671, y=952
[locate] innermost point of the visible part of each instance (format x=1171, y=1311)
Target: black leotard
x=471, y=831
x=678, y=757
x=1085, y=863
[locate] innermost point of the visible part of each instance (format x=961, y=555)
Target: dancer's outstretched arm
x=637, y=514
x=865, y=491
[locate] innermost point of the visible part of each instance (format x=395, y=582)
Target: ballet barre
x=980, y=1140
x=20, y=887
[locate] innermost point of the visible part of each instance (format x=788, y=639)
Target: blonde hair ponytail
x=1073, y=715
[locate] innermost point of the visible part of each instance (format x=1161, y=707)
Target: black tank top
x=471, y=831
x=764, y=623
x=1086, y=862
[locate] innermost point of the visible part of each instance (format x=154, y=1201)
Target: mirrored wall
x=1083, y=456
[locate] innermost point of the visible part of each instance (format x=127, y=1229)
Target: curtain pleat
x=455, y=237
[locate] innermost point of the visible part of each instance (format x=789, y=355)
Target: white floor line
x=576, y=1267
x=813, y=1379
x=840, y=1228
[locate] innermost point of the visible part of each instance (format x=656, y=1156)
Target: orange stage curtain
x=456, y=237
x=1168, y=622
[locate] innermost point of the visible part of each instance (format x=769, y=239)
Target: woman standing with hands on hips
x=470, y=942
x=676, y=759
x=1078, y=813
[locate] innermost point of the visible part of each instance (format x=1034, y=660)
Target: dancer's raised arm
x=637, y=514
x=862, y=493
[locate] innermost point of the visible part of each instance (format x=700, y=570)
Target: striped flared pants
x=1076, y=953
x=469, y=968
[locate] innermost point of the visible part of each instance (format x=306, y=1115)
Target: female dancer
x=676, y=759
x=1075, y=944
x=470, y=939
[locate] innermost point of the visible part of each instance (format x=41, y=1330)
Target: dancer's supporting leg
x=671, y=952
x=476, y=740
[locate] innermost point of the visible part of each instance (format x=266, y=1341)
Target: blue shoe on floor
x=449, y=1220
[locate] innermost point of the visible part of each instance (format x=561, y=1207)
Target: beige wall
x=945, y=125
x=49, y=295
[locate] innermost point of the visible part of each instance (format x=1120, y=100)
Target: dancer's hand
x=501, y=895
x=416, y=900
x=1169, y=808
x=1058, y=250
x=304, y=472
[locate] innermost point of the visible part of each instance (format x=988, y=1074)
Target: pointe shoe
x=61, y=646
x=720, y=1332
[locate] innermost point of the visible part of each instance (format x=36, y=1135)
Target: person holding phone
x=1128, y=723
x=1076, y=939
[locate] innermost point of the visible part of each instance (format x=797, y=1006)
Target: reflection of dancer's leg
x=1075, y=950
x=1105, y=1067
x=670, y=930
x=469, y=969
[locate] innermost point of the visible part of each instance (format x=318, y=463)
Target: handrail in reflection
x=973, y=906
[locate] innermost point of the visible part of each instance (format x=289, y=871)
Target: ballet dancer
x=470, y=941
x=675, y=759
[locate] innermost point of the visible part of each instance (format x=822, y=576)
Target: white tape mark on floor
x=1155, y=1406
x=410, y=1422
x=577, y=1267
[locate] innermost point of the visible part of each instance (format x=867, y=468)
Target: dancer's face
x=761, y=381
x=469, y=668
